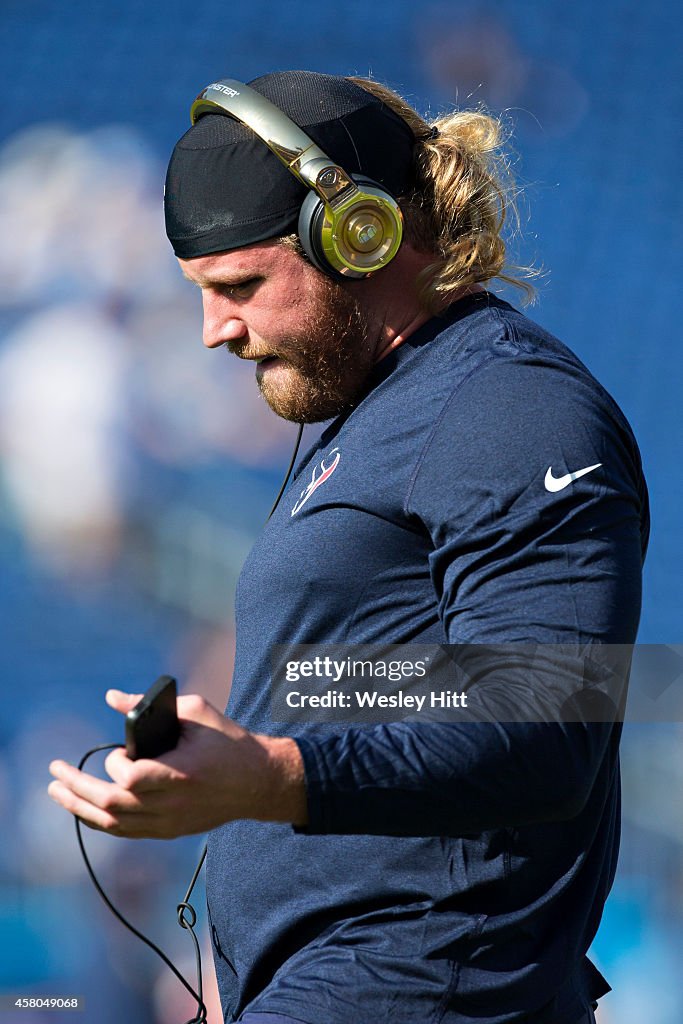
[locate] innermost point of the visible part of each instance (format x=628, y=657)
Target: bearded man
x=476, y=486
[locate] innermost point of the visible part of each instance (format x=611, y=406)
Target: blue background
x=135, y=467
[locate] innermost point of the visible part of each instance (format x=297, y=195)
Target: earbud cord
x=186, y=905
x=200, y=1016
x=290, y=467
x=188, y=922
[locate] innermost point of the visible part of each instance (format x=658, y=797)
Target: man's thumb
x=120, y=701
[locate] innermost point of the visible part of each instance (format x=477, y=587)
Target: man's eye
x=242, y=289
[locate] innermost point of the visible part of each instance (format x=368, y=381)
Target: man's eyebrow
x=232, y=281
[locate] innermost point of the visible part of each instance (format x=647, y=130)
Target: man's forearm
x=450, y=779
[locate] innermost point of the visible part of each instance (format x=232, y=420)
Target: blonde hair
x=462, y=195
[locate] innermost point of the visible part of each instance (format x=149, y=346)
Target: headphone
x=349, y=227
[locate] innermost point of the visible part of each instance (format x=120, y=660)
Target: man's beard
x=326, y=365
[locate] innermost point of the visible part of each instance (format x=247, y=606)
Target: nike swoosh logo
x=559, y=483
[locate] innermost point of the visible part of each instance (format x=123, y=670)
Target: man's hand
x=218, y=772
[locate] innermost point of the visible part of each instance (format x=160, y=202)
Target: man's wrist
x=284, y=789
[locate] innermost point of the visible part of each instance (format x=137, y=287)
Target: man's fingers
x=87, y=812
x=101, y=794
x=142, y=776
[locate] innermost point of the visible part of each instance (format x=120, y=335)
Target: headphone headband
x=358, y=228
x=283, y=137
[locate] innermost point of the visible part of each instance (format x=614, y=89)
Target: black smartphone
x=152, y=726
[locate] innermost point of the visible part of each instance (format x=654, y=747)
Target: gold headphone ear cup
x=355, y=239
x=367, y=235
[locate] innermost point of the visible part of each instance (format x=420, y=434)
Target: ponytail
x=461, y=196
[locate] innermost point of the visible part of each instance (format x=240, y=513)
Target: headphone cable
x=290, y=467
x=200, y=1016
x=187, y=915
x=188, y=922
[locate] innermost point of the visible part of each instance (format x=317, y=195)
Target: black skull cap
x=226, y=189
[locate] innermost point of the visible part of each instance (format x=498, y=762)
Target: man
x=476, y=486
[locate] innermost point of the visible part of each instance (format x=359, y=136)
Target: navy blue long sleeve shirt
x=450, y=871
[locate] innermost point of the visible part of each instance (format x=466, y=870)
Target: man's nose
x=220, y=322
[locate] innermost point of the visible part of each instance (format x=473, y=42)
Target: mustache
x=243, y=350
x=300, y=353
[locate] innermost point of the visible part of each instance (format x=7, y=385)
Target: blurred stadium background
x=135, y=467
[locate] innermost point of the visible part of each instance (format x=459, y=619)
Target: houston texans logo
x=320, y=474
